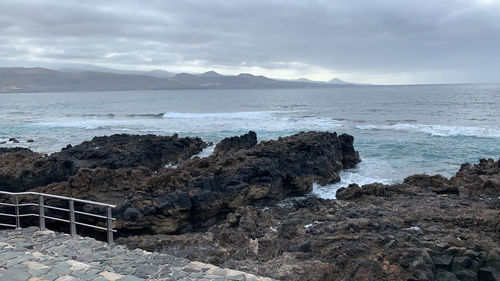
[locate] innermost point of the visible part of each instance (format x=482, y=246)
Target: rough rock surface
x=479, y=179
x=233, y=144
x=378, y=232
x=202, y=191
x=124, y=151
x=22, y=169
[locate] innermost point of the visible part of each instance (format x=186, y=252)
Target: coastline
x=238, y=208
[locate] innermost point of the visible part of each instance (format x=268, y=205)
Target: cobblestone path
x=34, y=255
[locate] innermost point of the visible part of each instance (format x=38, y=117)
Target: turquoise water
x=398, y=130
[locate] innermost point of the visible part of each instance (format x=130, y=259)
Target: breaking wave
x=250, y=115
x=438, y=130
x=368, y=171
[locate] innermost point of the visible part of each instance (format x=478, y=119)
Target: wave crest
x=438, y=130
x=249, y=115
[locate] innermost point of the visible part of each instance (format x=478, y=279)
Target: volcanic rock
x=479, y=179
x=233, y=144
x=375, y=232
x=202, y=191
x=123, y=151
x=22, y=169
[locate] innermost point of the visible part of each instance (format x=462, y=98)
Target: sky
x=364, y=41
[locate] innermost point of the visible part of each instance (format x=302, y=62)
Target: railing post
x=18, y=221
x=109, y=224
x=72, y=225
x=41, y=212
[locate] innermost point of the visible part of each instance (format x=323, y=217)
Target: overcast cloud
x=373, y=41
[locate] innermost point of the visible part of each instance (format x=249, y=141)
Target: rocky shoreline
x=248, y=206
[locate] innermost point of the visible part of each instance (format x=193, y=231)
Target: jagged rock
x=479, y=179
x=351, y=156
x=233, y=144
x=423, y=180
x=22, y=169
x=381, y=232
x=436, y=183
x=350, y=192
x=125, y=151
x=354, y=191
x=201, y=191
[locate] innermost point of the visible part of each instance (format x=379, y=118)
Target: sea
x=398, y=130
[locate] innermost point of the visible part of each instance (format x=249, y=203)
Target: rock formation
x=202, y=191
x=410, y=231
x=22, y=169
x=234, y=144
x=122, y=151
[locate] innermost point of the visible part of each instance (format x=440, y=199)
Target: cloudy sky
x=370, y=41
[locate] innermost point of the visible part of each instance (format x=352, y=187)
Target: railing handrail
x=59, y=197
x=72, y=221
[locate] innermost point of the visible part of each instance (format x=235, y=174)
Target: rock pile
x=428, y=228
x=202, y=191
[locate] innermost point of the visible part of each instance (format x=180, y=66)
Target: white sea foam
x=206, y=152
x=438, y=130
x=176, y=122
x=248, y=115
x=366, y=172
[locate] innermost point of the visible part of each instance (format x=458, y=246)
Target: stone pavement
x=34, y=255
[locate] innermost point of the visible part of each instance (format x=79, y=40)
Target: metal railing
x=71, y=210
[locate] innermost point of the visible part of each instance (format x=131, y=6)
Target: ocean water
x=398, y=130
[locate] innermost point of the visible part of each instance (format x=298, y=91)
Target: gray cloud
x=386, y=41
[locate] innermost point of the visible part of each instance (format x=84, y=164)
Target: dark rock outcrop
x=479, y=179
x=124, y=151
x=436, y=183
x=202, y=191
x=233, y=144
x=22, y=169
x=376, y=232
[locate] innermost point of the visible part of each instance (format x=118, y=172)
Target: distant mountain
x=16, y=79
x=155, y=73
x=210, y=74
x=338, y=81
x=308, y=81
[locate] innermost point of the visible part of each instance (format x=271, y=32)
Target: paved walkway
x=30, y=254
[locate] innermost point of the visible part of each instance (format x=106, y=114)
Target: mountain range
x=17, y=79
